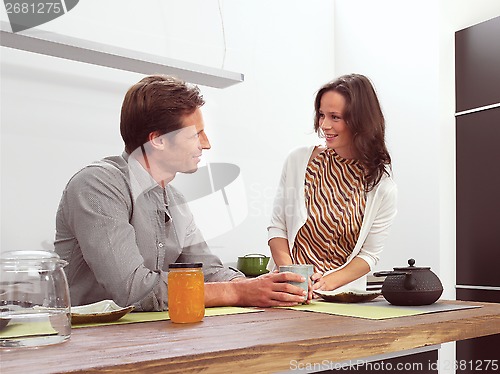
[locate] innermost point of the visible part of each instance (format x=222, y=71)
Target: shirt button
x=160, y=245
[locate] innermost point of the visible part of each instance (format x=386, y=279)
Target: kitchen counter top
x=266, y=341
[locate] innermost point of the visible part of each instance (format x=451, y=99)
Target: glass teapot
x=34, y=299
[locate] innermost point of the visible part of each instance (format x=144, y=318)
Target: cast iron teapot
x=410, y=285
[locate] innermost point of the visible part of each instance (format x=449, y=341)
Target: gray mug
x=305, y=270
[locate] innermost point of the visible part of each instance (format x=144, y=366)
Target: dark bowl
x=3, y=322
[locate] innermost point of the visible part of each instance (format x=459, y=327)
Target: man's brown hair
x=156, y=104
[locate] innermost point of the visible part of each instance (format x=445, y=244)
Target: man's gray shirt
x=111, y=228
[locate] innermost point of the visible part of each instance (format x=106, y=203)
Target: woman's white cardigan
x=290, y=213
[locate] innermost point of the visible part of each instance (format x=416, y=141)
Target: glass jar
x=34, y=299
x=186, y=292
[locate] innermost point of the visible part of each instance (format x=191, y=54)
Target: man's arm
x=225, y=286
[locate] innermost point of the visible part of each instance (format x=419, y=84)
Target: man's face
x=185, y=146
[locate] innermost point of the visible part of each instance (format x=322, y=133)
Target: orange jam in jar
x=186, y=292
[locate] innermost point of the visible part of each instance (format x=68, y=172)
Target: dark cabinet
x=477, y=65
x=477, y=69
x=478, y=198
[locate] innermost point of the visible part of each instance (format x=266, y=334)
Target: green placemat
x=163, y=316
x=376, y=309
x=19, y=330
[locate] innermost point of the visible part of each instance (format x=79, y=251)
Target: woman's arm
x=278, y=227
x=380, y=228
x=280, y=251
x=352, y=271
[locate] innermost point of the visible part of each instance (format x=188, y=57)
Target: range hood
x=75, y=49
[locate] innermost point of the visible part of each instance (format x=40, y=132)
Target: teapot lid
x=411, y=262
x=36, y=255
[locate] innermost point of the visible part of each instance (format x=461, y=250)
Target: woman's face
x=337, y=134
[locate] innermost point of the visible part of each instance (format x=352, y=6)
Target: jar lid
x=185, y=265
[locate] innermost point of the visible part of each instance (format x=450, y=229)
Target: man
x=119, y=223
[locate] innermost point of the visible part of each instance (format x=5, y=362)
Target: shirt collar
x=140, y=180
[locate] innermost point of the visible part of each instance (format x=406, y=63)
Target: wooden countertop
x=254, y=342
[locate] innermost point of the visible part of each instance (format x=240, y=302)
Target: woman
x=336, y=202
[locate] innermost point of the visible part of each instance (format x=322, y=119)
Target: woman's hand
x=315, y=278
x=325, y=283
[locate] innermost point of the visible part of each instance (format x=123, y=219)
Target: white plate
x=102, y=311
x=348, y=296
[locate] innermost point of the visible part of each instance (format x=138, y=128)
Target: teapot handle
x=255, y=255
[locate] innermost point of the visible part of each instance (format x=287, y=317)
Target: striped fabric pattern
x=335, y=201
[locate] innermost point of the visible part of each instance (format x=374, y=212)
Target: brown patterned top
x=335, y=202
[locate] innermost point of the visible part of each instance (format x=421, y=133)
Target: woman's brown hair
x=364, y=117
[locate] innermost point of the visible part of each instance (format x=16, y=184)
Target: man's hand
x=270, y=290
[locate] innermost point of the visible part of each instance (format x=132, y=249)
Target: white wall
x=58, y=115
